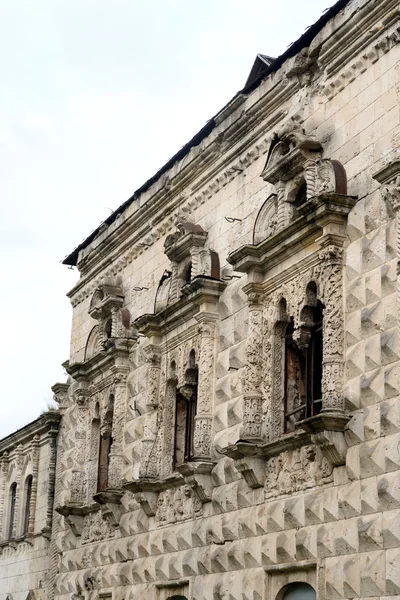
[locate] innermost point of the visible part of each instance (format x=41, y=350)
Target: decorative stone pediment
x=114, y=321
x=189, y=259
x=298, y=171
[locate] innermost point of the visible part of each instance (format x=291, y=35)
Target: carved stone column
x=19, y=454
x=202, y=438
x=153, y=375
x=78, y=481
x=35, y=470
x=331, y=292
x=252, y=396
x=115, y=469
x=4, y=470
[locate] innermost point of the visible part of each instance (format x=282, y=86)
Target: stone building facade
x=27, y=484
x=232, y=424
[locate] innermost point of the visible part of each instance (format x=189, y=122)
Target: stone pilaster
x=252, y=395
x=4, y=470
x=331, y=292
x=202, y=438
x=153, y=375
x=115, y=468
x=35, y=471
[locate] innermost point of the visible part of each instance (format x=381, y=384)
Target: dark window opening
x=185, y=413
x=188, y=274
x=27, y=508
x=108, y=328
x=303, y=373
x=12, y=499
x=301, y=195
x=105, y=446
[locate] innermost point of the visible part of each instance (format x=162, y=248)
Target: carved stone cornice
x=115, y=354
x=48, y=423
x=316, y=214
x=200, y=295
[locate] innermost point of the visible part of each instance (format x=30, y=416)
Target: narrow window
x=295, y=381
x=185, y=412
x=303, y=372
x=105, y=447
x=12, y=500
x=27, y=504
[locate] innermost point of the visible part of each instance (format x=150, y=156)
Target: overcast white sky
x=95, y=96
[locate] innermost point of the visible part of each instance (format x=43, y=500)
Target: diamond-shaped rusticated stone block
x=391, y=529
x=369, y=529
x=342, y=577
x=203, y=561
x=393, y=571
x=268, y=549
x=355, y=360
x=353, y=328
x=392, y=380
x=349, y=500
x=293, y=511
x=392, y=454
x=326, y=540
x=389, y=491
x=373, y=249
x=372, y=458
x=286, y=546
x=372, y=319
x=389, y=346
x=252, y=552
x=314, y=508
x=372, y=422
x=189, y=562
x=390, y=416
x=346, y=537
x=229, y=587
x=275, y=516
x=355, y=295
x=306, y=543
x=372, y=574
x=253, y=584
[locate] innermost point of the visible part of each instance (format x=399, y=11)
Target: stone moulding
x=290, y=240
x=201, y=293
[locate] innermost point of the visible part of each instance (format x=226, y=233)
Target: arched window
x=185, y=412
x=11, y=510
x=303, y=368
x=105, y=446
x=27, y=503
x=297, y=591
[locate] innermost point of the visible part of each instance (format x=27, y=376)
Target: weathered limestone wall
x=337, y=529
x=24, y=556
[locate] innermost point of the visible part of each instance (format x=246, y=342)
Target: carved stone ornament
x=299, y=173
x=198, y=477
x=110, y=505
x=311, y=212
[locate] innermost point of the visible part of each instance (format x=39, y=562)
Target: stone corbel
x=197, y=476
x=110, y=505
x=327, y=432
x=74, y=515
x=148, y=502
x=252, y=469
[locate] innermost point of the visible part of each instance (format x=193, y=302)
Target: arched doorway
x=297, y=591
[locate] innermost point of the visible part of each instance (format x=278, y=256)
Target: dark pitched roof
x=251, y=83
x=260, y=65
